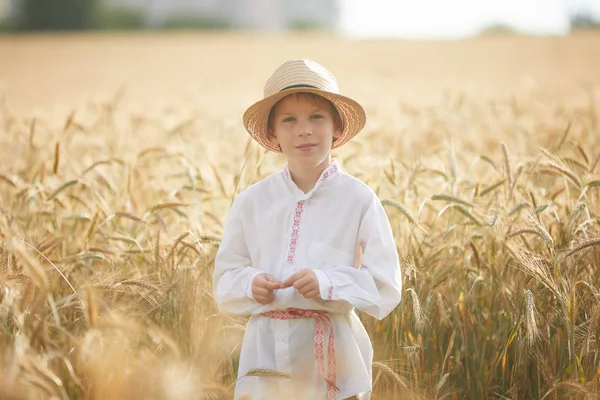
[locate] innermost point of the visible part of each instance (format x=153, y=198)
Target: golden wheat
x=111, y=211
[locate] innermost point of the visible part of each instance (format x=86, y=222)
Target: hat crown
x=301, y=73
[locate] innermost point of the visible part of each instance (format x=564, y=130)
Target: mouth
x=306, y=147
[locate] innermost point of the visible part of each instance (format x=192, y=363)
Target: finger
x=271, y=278
x=268, y=282
x=290, y=281
x=300, y=283
x=311, y=294
x=272, y=285
x=307, y=288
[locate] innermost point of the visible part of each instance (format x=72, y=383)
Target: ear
x=272, y=138
x=338, y=132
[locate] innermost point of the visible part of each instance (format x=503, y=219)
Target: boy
x=306, y=246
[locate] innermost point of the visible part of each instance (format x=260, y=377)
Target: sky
x=458, y=18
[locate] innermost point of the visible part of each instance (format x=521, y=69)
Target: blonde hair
x=313, y=99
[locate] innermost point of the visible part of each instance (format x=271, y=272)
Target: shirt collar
x=330, y=172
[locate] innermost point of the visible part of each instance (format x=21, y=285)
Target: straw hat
x=309, y=77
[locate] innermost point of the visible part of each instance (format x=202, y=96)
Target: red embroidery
x=330, y=293
x=322, y=318
x=330, y=171
x=295, y=228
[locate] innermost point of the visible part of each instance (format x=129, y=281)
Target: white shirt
x=275, y=227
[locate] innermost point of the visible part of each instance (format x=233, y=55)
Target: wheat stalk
x=578, y=248
x=418, y=314
x=563, y=171
x=391, y=373
x=404, y=211
x=264, y=372
x=541, y=230
x=441, y=384
x=507, y=171
x=530, y=314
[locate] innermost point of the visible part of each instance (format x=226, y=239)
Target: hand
x=305, y=281
x=263, y=286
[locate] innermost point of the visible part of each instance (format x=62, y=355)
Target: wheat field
x=120, y=156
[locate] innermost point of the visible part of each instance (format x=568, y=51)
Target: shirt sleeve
x=233, y=271
x=376, y=287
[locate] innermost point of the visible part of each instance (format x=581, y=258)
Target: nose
x=305, y=128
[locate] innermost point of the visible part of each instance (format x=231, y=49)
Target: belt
x=322, y=318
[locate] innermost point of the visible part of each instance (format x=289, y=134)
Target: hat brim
x=351, y=112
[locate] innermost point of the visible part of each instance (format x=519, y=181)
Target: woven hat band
x=301, y=72
x=298, y=86
x=300, y=80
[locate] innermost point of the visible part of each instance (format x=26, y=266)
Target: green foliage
x=182, y=21
x=304, y=25
x=43, y=15
x=121, y=18
x=5, y=25
x=498, y=29
x=584, y=20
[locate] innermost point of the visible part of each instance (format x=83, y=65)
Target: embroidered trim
x=330, y=171
x=295, y=229
x=330, y=292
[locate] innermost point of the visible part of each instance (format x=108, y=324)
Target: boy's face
x=304, y=129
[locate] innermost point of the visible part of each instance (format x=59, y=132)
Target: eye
x=317, y=116
x=288, y=119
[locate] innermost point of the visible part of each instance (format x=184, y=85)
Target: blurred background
x=376, y=18
x=216, y=54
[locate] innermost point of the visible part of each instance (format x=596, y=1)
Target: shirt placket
x=282, y=350
x=293, y=245
x=300, y=211
x=282, y=347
